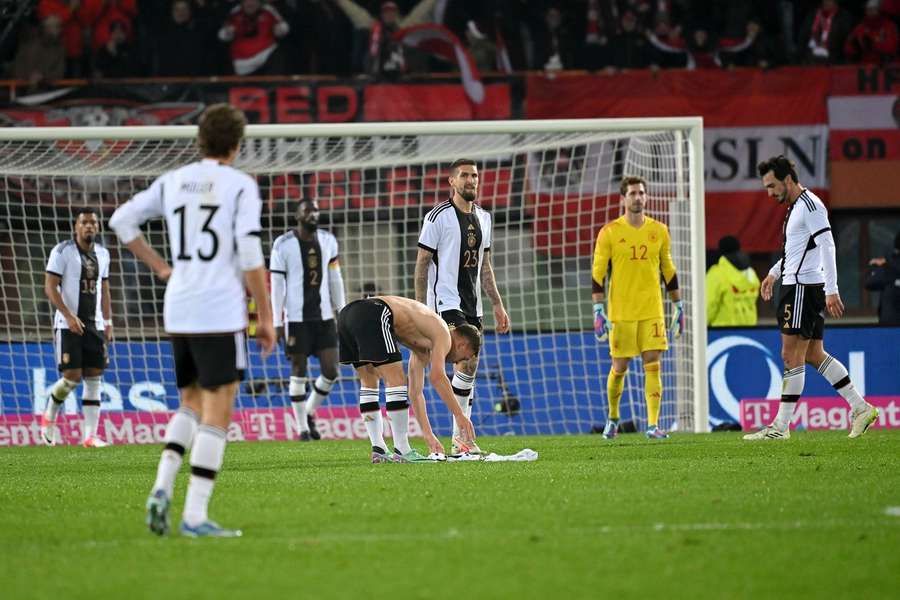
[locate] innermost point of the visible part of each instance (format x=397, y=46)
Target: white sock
x=791, y=388
x=463, y=387
x=371, y=415
x=206, y=462
x=179, y=435
x=320, y=389
x=398, y=412
x=836, y=374
x=297, y=391
x=90, y=406
x=58, y=394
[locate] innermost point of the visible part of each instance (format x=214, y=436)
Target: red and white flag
x=439, y=41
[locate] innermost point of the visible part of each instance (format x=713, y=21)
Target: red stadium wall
x=839, y=124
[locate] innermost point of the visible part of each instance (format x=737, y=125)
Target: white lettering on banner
x=115, y=397
x=137, y=399
x=234, y=433
x=732, y=153
x=263, y=425
x=820, y=413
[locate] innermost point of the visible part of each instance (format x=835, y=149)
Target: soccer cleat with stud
x=208, y=529
x=413, y=456
x=305, y=436
x=655, y=433
x=460, y=447
x=769, y=433
x=313, y=432
x=861, y=419
x=158, y=512
x=94, y=442
x=380, y=458
x=611, y=429
x=48, y=431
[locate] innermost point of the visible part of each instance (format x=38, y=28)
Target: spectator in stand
x=74, y=21
x=41, y=56
x=703, y=52
x=117, y=58
x=732, y=287
x=108, y=14
x=253, y=28
x=593, y=23
x=553, y=42
x=874, y=40
x=483, y=50
x=824, y=34
x=631, y=48
x=383, y=55
x=180, y=44
x=884, y=276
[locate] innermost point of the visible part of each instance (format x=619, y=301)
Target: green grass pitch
x=707, y=516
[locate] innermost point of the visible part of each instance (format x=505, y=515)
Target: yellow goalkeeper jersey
x=638, y=254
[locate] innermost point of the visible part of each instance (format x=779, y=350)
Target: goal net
x=549, y=185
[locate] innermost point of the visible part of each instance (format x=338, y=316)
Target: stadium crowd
x=52, y=39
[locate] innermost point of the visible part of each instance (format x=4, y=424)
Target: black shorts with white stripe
x=209, y=360
x=366, y=333
x=86, y=351
x=801, y=311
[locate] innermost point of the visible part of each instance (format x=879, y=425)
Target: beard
x=468, y=195
x=309, y=226
x=88, y=238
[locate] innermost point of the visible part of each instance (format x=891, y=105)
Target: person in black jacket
x=884, y=276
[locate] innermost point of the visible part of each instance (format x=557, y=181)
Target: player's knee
x=329, y=371
x=73, y=375
x=298, y=368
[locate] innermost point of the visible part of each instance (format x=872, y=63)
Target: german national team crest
x=312, y=260
x=652, y=237
x=472, y=240
x=88, y=267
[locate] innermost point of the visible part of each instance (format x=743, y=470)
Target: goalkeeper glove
x=601, y=323
x=677, y=325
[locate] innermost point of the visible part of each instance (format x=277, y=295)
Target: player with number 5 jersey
x=638, y=249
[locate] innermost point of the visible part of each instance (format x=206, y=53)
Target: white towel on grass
x=526, y=455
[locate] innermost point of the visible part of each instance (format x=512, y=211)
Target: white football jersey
x=458, y=241
x=305, y=267
x=82, y=275
x=207, y=206
x=807, y=218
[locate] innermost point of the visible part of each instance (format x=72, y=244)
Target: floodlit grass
x=694, y=516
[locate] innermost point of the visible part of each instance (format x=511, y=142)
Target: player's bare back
x=414, y=323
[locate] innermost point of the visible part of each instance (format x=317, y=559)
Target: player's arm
x=602, y=254
x=52, y=282
x=250, y=259
x=489, y=283
x=423, y=259
x=767, y=284
x=278, y=276
x=127, y=221
x=820, y=234
x=106, y=309
x=336, y=284
x=416, y=389
x=437, y=331
x=667, y=266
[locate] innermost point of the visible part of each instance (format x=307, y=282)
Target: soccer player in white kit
x=452, y=266
x=77, y=284
x=808, y=273
x=307, y=294
x=212, y=214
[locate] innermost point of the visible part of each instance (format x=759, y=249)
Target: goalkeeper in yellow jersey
x=638, y=248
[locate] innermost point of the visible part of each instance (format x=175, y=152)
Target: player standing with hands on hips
x=454, y=256
x=807, y=270
x=639, y=249
x=212, y=214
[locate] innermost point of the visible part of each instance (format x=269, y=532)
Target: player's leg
x=793, y=354
x=68, y=356
x=463, y=384
x=396, y=403
x=180, y=433
x=221, y=361
x=370, y=411
x=862, y=414
x=327, y=354
x=615, y=383
x=297, y=392
x=94, y=359
x=653, y=392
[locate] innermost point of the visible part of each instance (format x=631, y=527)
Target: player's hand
x=164, y=273
x=279, y=334
x=834, y=305
x=601, y=323
x=265, y=337
x=108, y=332
x=501, y=319
x=75, y=324
x=765, y=287
x=466, y=429
x=434, y=445
x=677, y=325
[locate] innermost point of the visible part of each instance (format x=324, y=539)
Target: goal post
x=549, y=186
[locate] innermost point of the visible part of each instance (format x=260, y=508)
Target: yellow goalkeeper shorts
x=630, y=338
